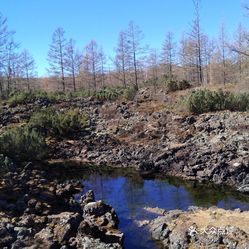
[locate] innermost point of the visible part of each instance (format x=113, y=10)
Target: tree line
x=196, y=58
x=16, y=67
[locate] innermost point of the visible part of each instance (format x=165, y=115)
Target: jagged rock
x=86, y=198
x=49, y=216
x=45, y=239
x=22, y=232
x=100, y=221
x=91, y=243
x=244, y=188
x=65, y=225
x=7, y=234
x=66, y=190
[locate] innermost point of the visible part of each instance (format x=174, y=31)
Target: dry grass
x=216, y=87
x=149, y=107
x=218, y=218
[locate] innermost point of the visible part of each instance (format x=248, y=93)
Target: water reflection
x=129, y=193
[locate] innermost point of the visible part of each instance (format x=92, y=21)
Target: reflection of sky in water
x=128, y=195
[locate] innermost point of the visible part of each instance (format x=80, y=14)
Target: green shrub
x=130, y=93
x=18, y=98
x=104, y=94
x=22, y=144
x=83, y=93
x=173, y=84
x=109, y=93
x=183, y=84
x=21, y=97
x=202, y=101
x=5, y=164
x=113, y=93
x=58, y=123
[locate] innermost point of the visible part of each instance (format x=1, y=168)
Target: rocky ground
x=201, y=228
x=151, y=135
x=37, y=211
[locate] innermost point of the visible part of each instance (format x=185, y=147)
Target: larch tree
x=187, y=59
x=240, y=44
x=11, y=64
x=122, y=58
x=102, y=59
x=73, y=61
x=153, y=68
x=208, y=52
x=56, y=56
x=168, y=54
x=85, y=71
x=196, y=37
x=135, y=50
x=223, y=52
x=28, y=67
x=92, y=62
x=4, y=38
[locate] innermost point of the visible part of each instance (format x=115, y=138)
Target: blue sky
x=35, y=20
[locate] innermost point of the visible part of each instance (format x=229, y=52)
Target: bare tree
x=196, y=37
x=240, y=47
x=4, y=37
x=56, y=55
x=92, y=62
x=134, y=37
x=239, y=43
x=12, y=60
x=187, y=59
x=208, y=52
x=223, y=51
x=85, y=71
x=168, y=53
x=28, y=67
x=153, y=68
x=102, y=59
x=121, y=59
x=73, y=61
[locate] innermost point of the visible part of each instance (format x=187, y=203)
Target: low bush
x=58, y=123
x=183, y=84
x=129, y=93
x=172, y=85
x=175, y=85
x=114, y=93
x=202, y=101
x=22, y=97
x=109, y=93
x=5, y=164
x=104, y=94
x=18, y=98
x=22, y=144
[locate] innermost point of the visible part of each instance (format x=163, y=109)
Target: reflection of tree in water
x=201, y=195
x=169, y=196
x=177, y=197
x=206, y=194
x=134, y=192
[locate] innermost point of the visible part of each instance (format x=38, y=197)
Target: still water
x=129, y=193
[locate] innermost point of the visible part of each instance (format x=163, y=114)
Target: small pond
x=129, y=193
